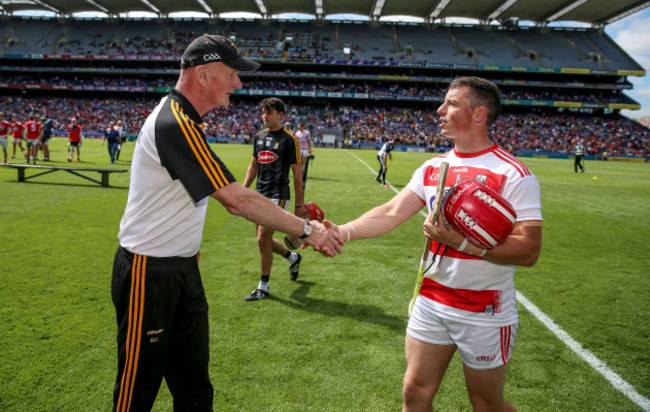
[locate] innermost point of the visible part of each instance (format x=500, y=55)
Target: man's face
x=223, y=82
x=456, y=113
x=272, y=119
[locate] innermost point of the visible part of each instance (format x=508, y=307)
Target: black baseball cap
x=211, y=48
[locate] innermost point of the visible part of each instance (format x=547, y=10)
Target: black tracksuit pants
x=162, y=320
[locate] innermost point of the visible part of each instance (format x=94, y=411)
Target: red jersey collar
x=476, y=154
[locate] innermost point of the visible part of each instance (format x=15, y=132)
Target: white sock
x=264, y=286
x=292, y=257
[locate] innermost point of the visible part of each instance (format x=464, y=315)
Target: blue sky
x=633, y=35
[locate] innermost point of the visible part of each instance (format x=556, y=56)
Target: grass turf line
x=334, y=339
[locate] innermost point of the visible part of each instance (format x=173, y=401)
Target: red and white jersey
x=5, y=128
x=17, y=130
x=303, y=137
x=464, y=287
x=32, y=129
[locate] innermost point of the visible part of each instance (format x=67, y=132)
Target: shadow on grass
x=321, y=179
x=72, y=185
x=362, y=313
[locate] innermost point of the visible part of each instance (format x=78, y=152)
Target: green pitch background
x=333, y=340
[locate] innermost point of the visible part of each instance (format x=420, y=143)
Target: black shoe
x=378, y=179
x=294, y=268
x=257, y=294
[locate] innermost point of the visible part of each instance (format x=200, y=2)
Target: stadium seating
x=390, y=71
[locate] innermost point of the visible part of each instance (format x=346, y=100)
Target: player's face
x=456, y=113
x=272, y=119
x=223, y=82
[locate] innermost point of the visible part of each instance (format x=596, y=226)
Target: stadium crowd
x=402, y=90
x=539, y=131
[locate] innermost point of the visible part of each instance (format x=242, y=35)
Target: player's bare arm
x=249, y=204
x=522, y=247
x=384, y=218
x=251, y=172
x=296, y=169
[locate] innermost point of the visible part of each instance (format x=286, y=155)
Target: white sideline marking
x=600, y=366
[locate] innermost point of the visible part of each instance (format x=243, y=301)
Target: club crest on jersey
x=481, y=178
x=489, y=310
x=266, y=157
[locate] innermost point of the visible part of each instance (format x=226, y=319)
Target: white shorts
x=3, y=142
x=283, y=203
x=480, y=347
x=16, y=140
x=304, y=153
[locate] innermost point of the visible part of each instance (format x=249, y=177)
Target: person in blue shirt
x=112, y=135
x=46, y=133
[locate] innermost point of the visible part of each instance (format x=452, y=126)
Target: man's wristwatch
x=306, y=229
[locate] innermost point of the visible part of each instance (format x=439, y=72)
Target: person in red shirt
x=74, y=137
x=17, y=130
x=5, y=128
x=32, y=132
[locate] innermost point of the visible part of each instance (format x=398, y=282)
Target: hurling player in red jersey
x=5, y=128
x=74, y=137
x=32, y=133
x=467, y=301
x=17, y=130
x=275, y=151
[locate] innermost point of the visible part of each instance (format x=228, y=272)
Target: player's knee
x=487, y=404
x=416, y=395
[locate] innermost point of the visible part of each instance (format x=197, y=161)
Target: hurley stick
x=435, y=212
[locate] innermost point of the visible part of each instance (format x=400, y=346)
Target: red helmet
x=315, y=212
x=480, y=213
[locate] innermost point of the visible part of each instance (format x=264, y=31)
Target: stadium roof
x=594, y=12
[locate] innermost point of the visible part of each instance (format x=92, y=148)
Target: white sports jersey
x=173, y=173
x=465, y=287
x=385, y=149
x=303, y=139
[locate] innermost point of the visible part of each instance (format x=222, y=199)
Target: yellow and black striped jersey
x=173, y=173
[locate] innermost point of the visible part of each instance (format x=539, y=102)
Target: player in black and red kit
x=275, y=151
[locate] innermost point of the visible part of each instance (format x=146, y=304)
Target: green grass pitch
x=333, y=341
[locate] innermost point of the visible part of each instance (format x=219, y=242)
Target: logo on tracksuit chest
x=266, y=157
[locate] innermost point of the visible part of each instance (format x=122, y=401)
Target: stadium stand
x=361, y=81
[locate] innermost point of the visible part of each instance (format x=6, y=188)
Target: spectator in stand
x=75, y=137
x=536, y=131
